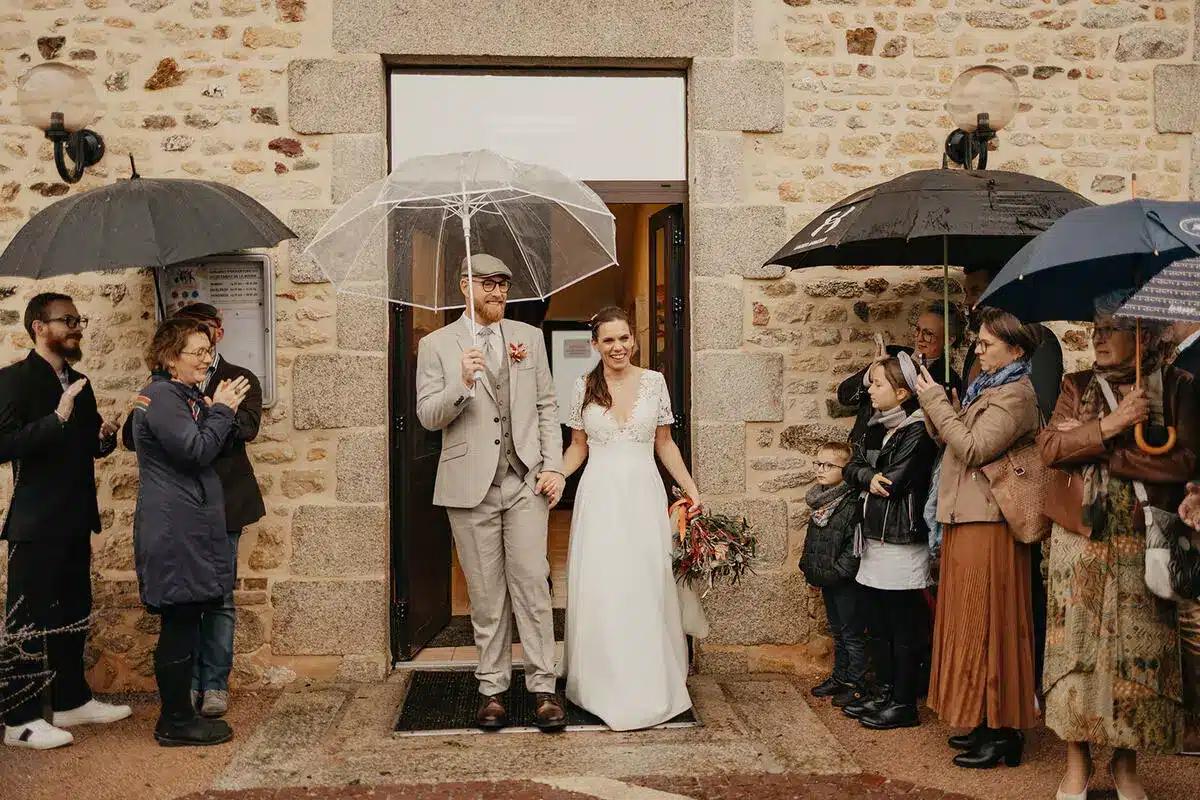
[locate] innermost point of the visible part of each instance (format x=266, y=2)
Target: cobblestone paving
x=728, y=787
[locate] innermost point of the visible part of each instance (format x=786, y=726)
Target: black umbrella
x=972, y=218
x=140, y=222
x=969, y=218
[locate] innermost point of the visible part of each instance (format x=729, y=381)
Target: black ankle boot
x=846, y=695
x=890, y=716
x=195, y=732
x=968, y=741
x=993, y=748
x=828, y=687
x=868, y=702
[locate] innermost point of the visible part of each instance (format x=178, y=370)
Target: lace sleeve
x=665, y=415
x=576, y=419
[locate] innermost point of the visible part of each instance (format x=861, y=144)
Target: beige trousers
x=501, y=546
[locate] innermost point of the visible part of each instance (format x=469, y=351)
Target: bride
x=626, y=658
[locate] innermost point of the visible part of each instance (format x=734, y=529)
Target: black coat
x=54, y=492
x=852, y=393
x=181, y=545
x=828, y=555
x=243, y=497
x=1189, y=360
x=1047, y=375
x=907, y=461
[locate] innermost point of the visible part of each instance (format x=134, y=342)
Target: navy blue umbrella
x=1093, y=251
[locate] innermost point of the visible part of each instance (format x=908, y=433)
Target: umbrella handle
x=1140, y=437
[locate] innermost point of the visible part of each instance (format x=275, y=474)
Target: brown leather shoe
x=550, y=714
x=491, y=716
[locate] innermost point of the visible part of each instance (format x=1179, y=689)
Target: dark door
x=668, y=322
x=421, y=544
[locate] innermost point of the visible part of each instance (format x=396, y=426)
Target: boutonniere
x=517, y=353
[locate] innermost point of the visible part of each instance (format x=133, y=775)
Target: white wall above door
x=591, y=127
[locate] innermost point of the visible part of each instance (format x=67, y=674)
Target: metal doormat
x=459, y=633
x=442, y=703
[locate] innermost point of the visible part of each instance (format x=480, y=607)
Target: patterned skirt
x=1112, y=675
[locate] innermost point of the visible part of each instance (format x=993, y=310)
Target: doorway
x=430, y=606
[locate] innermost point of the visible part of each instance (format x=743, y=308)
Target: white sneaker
x=93, y=712
x=37, y=735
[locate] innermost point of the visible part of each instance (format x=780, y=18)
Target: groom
x=491, y=394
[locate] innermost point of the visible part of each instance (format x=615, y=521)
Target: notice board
x=242, y=287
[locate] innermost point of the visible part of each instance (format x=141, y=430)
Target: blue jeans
x=214, y=653
x=844, y=608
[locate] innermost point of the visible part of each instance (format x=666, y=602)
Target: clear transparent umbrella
x=404, y=238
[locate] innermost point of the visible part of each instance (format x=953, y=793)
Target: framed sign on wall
x=571, y=356
x=242, y=287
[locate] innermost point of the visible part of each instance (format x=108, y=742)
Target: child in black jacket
x=829, y=562
x=894, y=566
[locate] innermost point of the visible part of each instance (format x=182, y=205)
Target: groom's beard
x=488, y=314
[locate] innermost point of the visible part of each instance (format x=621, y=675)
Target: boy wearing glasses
x=829, y=562
x=52, y=433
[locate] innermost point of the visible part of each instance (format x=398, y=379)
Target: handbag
x=1166, y=556
x=1020, y=483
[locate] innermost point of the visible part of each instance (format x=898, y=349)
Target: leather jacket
x=906, y=460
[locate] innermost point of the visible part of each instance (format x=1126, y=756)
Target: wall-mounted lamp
x=982, y=101
x=59, y=101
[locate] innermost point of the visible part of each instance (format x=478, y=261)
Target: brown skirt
x=982, y=670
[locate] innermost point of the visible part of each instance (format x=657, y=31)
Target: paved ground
x=761, y=740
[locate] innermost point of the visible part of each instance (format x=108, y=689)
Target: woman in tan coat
x=982, y=676
x=1112, y=673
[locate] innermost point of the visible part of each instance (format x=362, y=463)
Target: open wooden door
x=668, y=322
x=421, y=543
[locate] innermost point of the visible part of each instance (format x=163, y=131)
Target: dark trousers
x=214, y=656
x=844, y=608
x=49, y=590
x=898, y=636
x=1038, y=587
x=174, y=657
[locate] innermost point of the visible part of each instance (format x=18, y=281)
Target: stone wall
x=792, y=104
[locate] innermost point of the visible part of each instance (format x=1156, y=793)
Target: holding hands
x=231, y=393
x=552, y=485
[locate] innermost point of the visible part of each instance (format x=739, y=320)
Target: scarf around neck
x=890, y=419
x=823, y=500
x=1010, y=373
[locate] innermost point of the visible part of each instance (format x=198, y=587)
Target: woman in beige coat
x=982, y=675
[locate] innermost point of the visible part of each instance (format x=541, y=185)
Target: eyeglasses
x=492, y=284
x=926, y=335
x=1101, y=332
x=202, y=353
x=821, y=466
x=71, y=321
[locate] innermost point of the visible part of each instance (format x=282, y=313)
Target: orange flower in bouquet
x=709, y=548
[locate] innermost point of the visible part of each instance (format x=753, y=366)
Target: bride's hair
x=596, y=388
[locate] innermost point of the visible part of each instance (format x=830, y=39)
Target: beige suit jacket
x=469, y=425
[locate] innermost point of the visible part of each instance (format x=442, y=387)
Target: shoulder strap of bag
x=1139, y=488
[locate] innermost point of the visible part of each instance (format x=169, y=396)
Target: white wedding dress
x=626, y=656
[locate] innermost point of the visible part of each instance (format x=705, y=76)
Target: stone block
x=332, y=390
x=362, y=322
x=305, y=223
x=735, y=240
x=339, y=541
x=1176, y=97
x=362, y=467
x=613, y=29
x=768, y=520
x=737, y=387
x=358, y=160
x=768, y=607
x=362, y=668
x=716, y=166
x=716, y=314
x=719, y=458
x=736, y=95
x=319, y=618
x=336, y=95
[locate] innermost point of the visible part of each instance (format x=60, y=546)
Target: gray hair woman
x=183, y=553
x=1112, y=674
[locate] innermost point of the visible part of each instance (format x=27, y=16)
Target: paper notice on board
x=236, y=287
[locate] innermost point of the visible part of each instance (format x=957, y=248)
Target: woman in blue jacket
x=182, y=548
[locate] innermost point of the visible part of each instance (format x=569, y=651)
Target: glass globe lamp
x=982, y=101
x=59, y=100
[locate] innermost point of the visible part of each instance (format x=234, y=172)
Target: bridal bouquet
x=709, y=547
